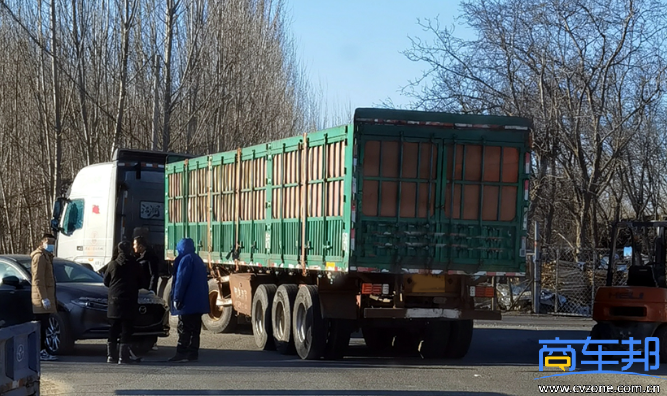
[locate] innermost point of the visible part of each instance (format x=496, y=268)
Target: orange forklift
x=638, y=309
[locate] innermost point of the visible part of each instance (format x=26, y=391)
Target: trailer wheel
x=262, y=328
x=308, y=325
x=661, y=334
x=436, y=340
x=377, y=339
x=407, y=340
x=338, y=338
x=460, y=337
x=219, y=319
x=281, y=318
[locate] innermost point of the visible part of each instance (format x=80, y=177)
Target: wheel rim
x=215, y=311
x=258, y=318
x=281, y=322
x=52, y=334
x=302, y=324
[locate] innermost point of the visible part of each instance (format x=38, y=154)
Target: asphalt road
x=503, y=360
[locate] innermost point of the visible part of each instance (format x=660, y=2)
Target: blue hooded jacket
x=189, y=292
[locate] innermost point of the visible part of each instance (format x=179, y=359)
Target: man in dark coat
x=122, y=277
x=149, y=262
x=188, y=299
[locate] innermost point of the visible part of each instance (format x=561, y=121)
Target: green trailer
x=390, y=224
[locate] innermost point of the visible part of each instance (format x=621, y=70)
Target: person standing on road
x=188, y=299
x=149, y=262
x=150, y=266
x=122, y=277
x=44, y=288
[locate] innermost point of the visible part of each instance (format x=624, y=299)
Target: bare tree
x=170, y=21
x=127, y=15
x=82, y=78
x=588, y=72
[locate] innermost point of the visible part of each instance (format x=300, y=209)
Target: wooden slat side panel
x=384, y=175
x=475, y=168
x=175, y=198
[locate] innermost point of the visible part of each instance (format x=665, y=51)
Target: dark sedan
x=82, y=305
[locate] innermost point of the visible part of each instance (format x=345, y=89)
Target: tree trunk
x=125, y=42
x=81, y=83
x=156, y=105
x=172, y=7
x=56, y=104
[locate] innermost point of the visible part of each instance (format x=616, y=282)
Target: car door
x=15, y=301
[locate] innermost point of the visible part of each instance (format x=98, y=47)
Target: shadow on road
x=490, y=347
x=298, y=392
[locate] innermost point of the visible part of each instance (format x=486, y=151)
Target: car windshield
x=69, y=272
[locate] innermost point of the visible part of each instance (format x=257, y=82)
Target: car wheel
x=142, y=345
x=57, y=335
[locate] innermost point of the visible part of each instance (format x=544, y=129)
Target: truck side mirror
x=55, y=227
x=58, y=208
x=57, y=212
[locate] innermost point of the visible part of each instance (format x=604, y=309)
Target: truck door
x=400, y=194
x=141, y=204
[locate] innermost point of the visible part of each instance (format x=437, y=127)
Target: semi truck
x=392, y=225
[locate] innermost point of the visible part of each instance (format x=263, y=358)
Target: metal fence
x=570, y=278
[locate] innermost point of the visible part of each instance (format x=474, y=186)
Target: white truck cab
x=110, y=202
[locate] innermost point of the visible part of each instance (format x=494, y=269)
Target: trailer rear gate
x=436, y=192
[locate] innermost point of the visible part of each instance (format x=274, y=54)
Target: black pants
x=121, y=328
x=43, y=320
x=189, y=328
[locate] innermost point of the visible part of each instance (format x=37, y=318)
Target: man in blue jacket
x=188, y=299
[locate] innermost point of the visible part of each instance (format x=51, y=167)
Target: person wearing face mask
x=44, y=288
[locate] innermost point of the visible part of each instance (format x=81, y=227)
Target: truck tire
x=377, y=339
x=338, y=338
x=219, y=319
x=262, y=328
x=281, y=318
x=460, y=337
x=173, y=319
x=436, y=339
x=407, y=340
x=308, y=325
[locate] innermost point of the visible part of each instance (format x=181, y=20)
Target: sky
x=351, y=49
